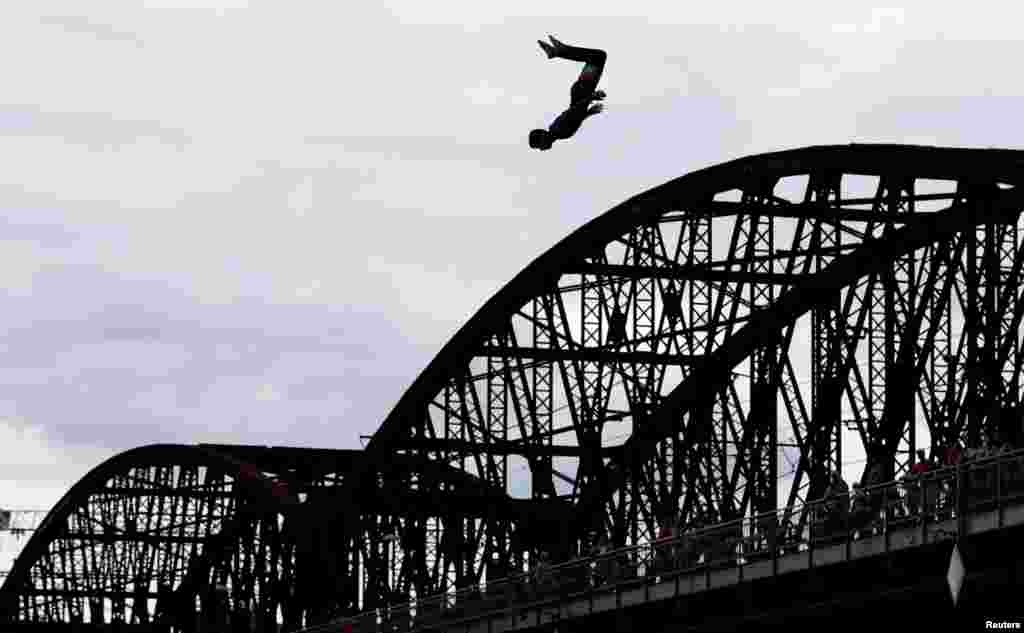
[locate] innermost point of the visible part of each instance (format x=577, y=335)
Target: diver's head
x=541, y=139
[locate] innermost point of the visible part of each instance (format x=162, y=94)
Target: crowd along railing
x=935, y=496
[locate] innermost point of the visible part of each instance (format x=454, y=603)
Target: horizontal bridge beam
x=495, y=448
x=813, y=210
x=181, y=493
x=86, y=593
x=129, y=537
x=679, y=273
x=588, y=354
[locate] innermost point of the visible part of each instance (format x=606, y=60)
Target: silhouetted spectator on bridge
x=838, y=504
x=763, y=541
x=574, y=577
x=974, y=452
x=1013, y=470
x=722, y=538
x=952, y=455
x=792, y=540
x=921, y=464
x=860, y=517
x=874, y=477
x=706, y=536
x=604, y=567
x=688, y=551
x=542, y=578
x=663, y=546
x=913, y=483
x=951, y=458
x=876, y=495
x=829, y=513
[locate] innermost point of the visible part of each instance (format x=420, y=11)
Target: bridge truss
x=714, y=347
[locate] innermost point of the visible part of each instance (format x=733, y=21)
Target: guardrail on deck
x=936, y=496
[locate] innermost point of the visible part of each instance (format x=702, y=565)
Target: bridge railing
x=914, y=501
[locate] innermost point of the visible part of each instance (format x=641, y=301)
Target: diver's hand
x=596, y=108
x=598, y=95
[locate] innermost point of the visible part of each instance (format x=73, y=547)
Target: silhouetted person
x=542, y=576
x=689, y=552
x=583, y=92
x=603, y=571
x=861, y=511
x=838, y=502
x=664, y=545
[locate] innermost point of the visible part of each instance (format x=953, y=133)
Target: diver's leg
x=593, y=56
x=594, y=59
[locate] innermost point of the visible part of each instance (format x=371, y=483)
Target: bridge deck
x=646, y=590
x=979, y=498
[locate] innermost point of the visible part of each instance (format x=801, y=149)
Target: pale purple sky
x=256, y=222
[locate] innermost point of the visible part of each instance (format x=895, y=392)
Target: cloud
x=967, y=121
x=36, y=467
x=82, y=24
x=214, y=5
x=881, y=20
x=98, y=131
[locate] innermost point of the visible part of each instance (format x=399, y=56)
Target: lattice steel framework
x=649, y=299
x=713, y=347
x=178, y=536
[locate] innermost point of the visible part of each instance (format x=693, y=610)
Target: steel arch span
x=713, y=347
x=708, y=349
x=175, y=537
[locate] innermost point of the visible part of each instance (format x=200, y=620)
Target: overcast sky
x=256, y=222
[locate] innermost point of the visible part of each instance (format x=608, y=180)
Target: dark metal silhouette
x=696, y=351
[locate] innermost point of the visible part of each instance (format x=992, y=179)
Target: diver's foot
x=557, y=44
x=549, y=50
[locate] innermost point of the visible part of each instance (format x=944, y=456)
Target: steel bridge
x=710, y=350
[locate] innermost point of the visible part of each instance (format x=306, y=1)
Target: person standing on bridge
x=861, y=511
x=603, y=571
x=542, y=575
x=835, y=507
x=664, y=544
x=952, y=455
x=583, y=92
